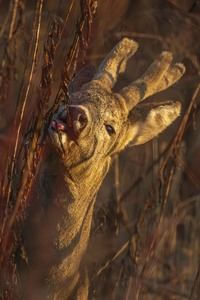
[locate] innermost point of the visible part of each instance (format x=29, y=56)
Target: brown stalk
x=12, y=23
x=166, y=289
x=161, y=233
x=119, y=275
x=69, y=68
x=174, y=148
x=128, y=290
x=190, y=174
x=126, y=245
x=196, y=285
x=79, y=44
x=8, y=60
x=34, y=153
x=110, y=261
x=67, y=17
x=117, y=193
x=5, y=235
x=125, y=195
x=17, y=111
x=180, y=132
x=13, y=6
x=34, y=150
x=164, y=202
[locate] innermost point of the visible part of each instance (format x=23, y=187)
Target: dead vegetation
x=145, y=240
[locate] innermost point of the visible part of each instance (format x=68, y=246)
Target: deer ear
x=84, y=76
x=147, y=120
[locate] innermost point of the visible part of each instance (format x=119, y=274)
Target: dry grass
x=145, y=240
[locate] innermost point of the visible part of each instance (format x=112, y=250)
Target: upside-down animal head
x=99, y=122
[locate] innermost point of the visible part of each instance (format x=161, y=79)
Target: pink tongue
x=58, y=124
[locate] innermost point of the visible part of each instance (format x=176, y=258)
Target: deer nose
x=78, y=119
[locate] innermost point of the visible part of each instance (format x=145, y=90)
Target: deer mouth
x=61, y=126
x=58, y=125
x=71, y=122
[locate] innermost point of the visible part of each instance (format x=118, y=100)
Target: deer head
x=99, y=122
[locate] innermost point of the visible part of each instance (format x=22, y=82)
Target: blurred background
x=145, y=240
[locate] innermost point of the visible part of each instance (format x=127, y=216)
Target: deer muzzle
x=72, y=121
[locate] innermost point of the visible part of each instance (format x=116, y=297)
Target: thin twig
x=191, y=175
x=11, y=220
x=105, y=266
x=164, y=202
x=12, y=23
x=163, y=288
x=180, y=131
x=12, y=6
x=67, y=17
x=179, y=212
x=196, y=285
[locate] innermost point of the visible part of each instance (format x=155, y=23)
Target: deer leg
x=147, y=84
x=115, y=62
x=160, y=75
x=171, y=76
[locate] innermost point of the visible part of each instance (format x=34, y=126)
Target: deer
x=83, y=136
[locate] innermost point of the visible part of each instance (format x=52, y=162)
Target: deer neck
x=71, y=185
x=69, y=196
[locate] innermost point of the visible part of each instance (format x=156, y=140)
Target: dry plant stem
x=164, y=202
x=179, y=214
x=143, y=267
x=157, y=288
x=34, y=152
x=180, y=132
x=152, y=246
x=117, y=181
x=7, y=63
x=67, y=17
x=43, y=99
x=141, y=178
x=196, y=286
x=141, y=273
x=66, y=77
x=174, y=147
x=32, y=157
x=13, y=4
x=46, y=80
x=85, y=19
x=191, y=175
x=186, y=116
x=117, y=195
x=18, y=203
x=128, y=290
x=104, y=267
x=117, y=282
x=48, y=114
x=74, y=50
x=16, y=2
x=17, y=111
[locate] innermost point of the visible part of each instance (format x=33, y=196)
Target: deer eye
x=110, y=130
